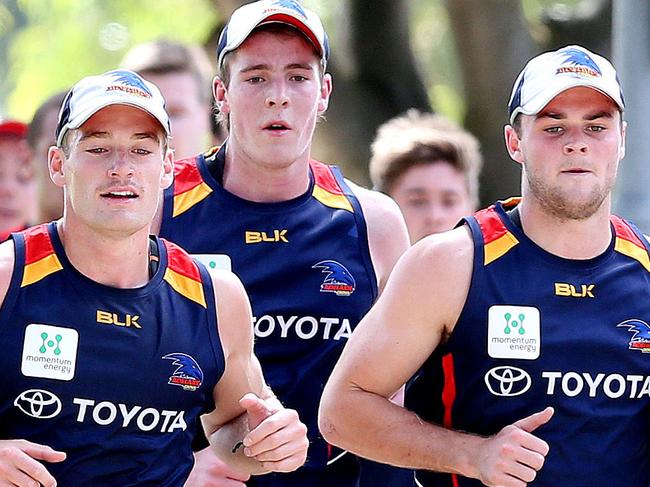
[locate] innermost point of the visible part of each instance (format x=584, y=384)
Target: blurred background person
x=40, y=136
x=430, y=166
x=183, y=73
x=17, y=186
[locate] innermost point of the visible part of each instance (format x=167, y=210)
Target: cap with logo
x=246, y=18
x=13, y=127
x=551, y=73
x=118, y=87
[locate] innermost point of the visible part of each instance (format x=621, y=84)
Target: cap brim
x=83, y=117
x=537, y=104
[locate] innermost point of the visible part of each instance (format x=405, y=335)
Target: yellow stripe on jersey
x=36, y=271
x=332, y=200
x=637, y=253
x=186, y=200
x=499, y=247
x=185, y=286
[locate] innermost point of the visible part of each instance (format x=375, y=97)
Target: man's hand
x=277, y=438
x=513, y=456
x=210, y=471
x=19, y=465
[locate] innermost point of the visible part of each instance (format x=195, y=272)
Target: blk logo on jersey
x=49, y=352
x=338, y=279
x=188, y=374
x=513, y=332
x=641, y=334
x=127, y=320
x=276, y=236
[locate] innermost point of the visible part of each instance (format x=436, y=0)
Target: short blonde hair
x=416, y=138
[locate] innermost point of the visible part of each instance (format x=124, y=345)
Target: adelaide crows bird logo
x=291, y=4
x=641, y=338
x=337, y=280
x=188, y=374
x=578, y=62
x=129, y=79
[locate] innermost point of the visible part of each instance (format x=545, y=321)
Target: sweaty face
x=17, y=187
x=115, y=171
x=188, y=111
x=433, y=197
x=570, y=153
x=274, y=98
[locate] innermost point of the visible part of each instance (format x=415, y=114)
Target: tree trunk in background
x=493, y=43
x=366, y=93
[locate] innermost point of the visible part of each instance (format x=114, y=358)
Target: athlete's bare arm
x=419, y=307
x=387, y=234
x=20, y=460
x=249, y=429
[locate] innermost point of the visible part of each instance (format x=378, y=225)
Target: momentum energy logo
x=513, y=332
x=49, y=352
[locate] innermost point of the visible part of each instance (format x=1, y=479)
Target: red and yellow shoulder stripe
x=183, y=274
x=327, y=189
x=189, y=187
x=498, y=240
x=628, y=243
x=40, y=257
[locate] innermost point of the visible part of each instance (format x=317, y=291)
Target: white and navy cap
x=118, y=87
x=551, y=73
x=246, y=18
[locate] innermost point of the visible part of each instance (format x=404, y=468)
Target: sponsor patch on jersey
x=640, y=330
x=215, y=261
x=338, y=279
x=513, y=332
x=188, y=374
x=49, y=352
x=38, y=403
x=507, y=381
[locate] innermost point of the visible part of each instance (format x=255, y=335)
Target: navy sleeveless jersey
x=538, y=330
x=113, y=377
x=305, y=264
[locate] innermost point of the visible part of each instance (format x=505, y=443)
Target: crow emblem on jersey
x=337, y=280
x=188, y=374
x=641, y=338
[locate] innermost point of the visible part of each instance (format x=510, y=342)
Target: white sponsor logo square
x=49, y=352
x=214, y=261
x=513, y=332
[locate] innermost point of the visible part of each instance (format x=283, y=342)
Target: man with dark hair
x=115, y=341
x=537, y=310
x=312, y=249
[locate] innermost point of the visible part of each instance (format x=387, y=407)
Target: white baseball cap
x=246, y=18
x=118, y=87
x=551, y=73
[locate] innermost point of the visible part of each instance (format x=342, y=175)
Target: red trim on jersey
x=324, y=178
x=491, y=225
x=449, y=389
x=38, y=244
x=186, y=175
x=449, y=396
x=624, y=231
x=180, y=262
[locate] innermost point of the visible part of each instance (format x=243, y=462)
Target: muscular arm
x=248, y=418
x=419, y=306
x=387, y=234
